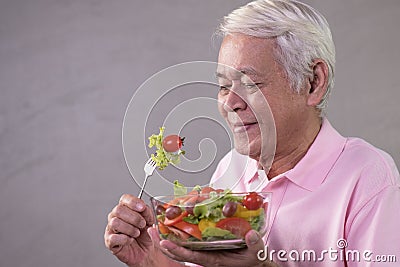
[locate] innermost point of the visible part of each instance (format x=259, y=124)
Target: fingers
x=132, y=202
x=254, y=241
x=243, y=257
x=153, y=233
x=182, y=254
x=173, y=251
x=148, y=216
x=155, y=237
x=125, y=214
x=118, y=226
x=138, y=205
x=126, y=221
x=115, y=242
x=254, y=244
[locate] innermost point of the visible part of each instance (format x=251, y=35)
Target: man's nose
x=234, y=102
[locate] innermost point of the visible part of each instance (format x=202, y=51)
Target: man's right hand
x=126, y=232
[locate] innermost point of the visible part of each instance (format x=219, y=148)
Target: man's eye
x=252, y=85
x=224, y=89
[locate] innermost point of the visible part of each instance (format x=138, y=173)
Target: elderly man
x=331, y=194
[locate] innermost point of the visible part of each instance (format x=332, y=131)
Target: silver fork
x=149, y=168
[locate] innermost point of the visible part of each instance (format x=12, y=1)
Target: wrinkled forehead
x=231, y=73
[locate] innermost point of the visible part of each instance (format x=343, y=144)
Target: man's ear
x=318, y=82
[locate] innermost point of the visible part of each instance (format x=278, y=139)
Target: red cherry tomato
x=237, y=226
x=172, y=143
x=253, y=201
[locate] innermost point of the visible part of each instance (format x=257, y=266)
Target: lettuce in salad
x=179, y=189
x=211, y=208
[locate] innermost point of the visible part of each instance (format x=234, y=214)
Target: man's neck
x=291, y=155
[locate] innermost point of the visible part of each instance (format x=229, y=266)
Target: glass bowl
x=215, y=220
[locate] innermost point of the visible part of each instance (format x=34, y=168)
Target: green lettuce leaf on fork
x=162, y=157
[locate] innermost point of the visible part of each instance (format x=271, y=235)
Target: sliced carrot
x=163, y=229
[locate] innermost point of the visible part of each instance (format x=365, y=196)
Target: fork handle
x=142, y=189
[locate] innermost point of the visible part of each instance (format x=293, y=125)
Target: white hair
x=302, y=35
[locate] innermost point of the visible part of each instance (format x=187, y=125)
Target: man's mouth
x=242, y=127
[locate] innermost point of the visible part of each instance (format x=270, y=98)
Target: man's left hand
x=231, y=258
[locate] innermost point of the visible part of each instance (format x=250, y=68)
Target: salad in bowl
x=210, y=219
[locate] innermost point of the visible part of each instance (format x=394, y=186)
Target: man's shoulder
x=365, y=154
x=370, y=174
x=373, y=168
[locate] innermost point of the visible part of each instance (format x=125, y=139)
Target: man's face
x=243, y=105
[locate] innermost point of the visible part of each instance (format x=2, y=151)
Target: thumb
x=254, y=241
x=255, y=246
x=153, y=233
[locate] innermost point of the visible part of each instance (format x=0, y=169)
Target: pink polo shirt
x=339, y=206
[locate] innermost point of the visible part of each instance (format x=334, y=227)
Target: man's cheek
x=221, y=109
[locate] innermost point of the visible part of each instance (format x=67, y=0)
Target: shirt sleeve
x=374, y=235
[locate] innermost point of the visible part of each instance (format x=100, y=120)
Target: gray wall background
x=68, y=70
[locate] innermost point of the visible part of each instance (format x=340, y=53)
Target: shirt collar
x=312, y=169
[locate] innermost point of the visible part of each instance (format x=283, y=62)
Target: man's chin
x=247, y=151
